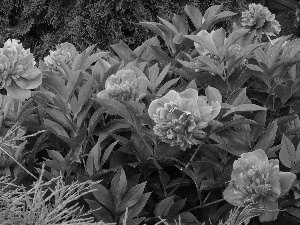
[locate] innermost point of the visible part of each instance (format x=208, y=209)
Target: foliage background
x=41, y=24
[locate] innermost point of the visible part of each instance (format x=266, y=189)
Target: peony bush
x=198, y=126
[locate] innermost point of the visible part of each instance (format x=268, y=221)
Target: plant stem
x=207, y=196
x=2, y=149
x=184, y=171
x=208, y=204
x=162, y=183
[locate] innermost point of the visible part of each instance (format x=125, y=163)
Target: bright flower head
x=125, y=85
x=260, y=18
x=180, y=117
x=18, y=73
x=255, y=179
x=64, y=52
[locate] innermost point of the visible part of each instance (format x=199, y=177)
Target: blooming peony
x=255, y=179
x=125, y=85
x=18, y=73
x=64, y=52
x=260, y=18
x=180, y=117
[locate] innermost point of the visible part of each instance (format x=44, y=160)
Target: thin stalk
x=184, y=171
x=2, y=149
x=207, y=204
x=163, y=185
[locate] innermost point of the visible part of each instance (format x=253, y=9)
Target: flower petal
x=234, y=196
x=213, y=95
x=30, y=84
x=271, y=212
x=274, y=181
x=216, y=108
x=16, y=92
x=190, y=94
x=286, y=182
x=186, y=105
x=261, y=154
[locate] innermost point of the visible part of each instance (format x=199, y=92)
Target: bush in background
x=41, y=24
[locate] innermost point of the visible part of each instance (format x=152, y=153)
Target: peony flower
x=18, y=73
x=260, y=18
x=125, y=85
x=180, y=117
x=65, y=52
x=255, y=179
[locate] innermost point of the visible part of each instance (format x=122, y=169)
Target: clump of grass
x=42, y=205
x=242, y=215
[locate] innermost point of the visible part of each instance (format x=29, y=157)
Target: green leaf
x=162, y=208
x=55, y=84
x=298, y=152
x=168, y=24
x=237, y=97
x=57, y=157
x=235, y=150
x=55, y=128
x=84, y=94
x=152, y=26
x=124, y=52
x=218, y=38
x=135, y=210
x=60, y=118
x=73, y=82
x=103, y=196
x=210, y=15
x=180, y=24
x=244, y=108
x=166, y=86
x=112, y=126
x=256, y=130
x=206, y=41
x=107, y=153
x=80, y=60
x=274, y=50
x=94, y=120
x=223, y=16
x=267, y=138
x=99, y=212
x=162, y=57
x=286, y=180
x=176, y=207
x=144, y=51
x=162, y=75
x=187, y=217
x=116, y=107
x=132, y=197
x=233, y=37
x=243, y=54
x=236, y=122
x=118, y=186
x=194, y=14
x=287, y=154
x=153, y=74
x=93, y=58
x=93, y=159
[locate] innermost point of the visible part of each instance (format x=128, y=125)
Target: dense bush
x=41, y=24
